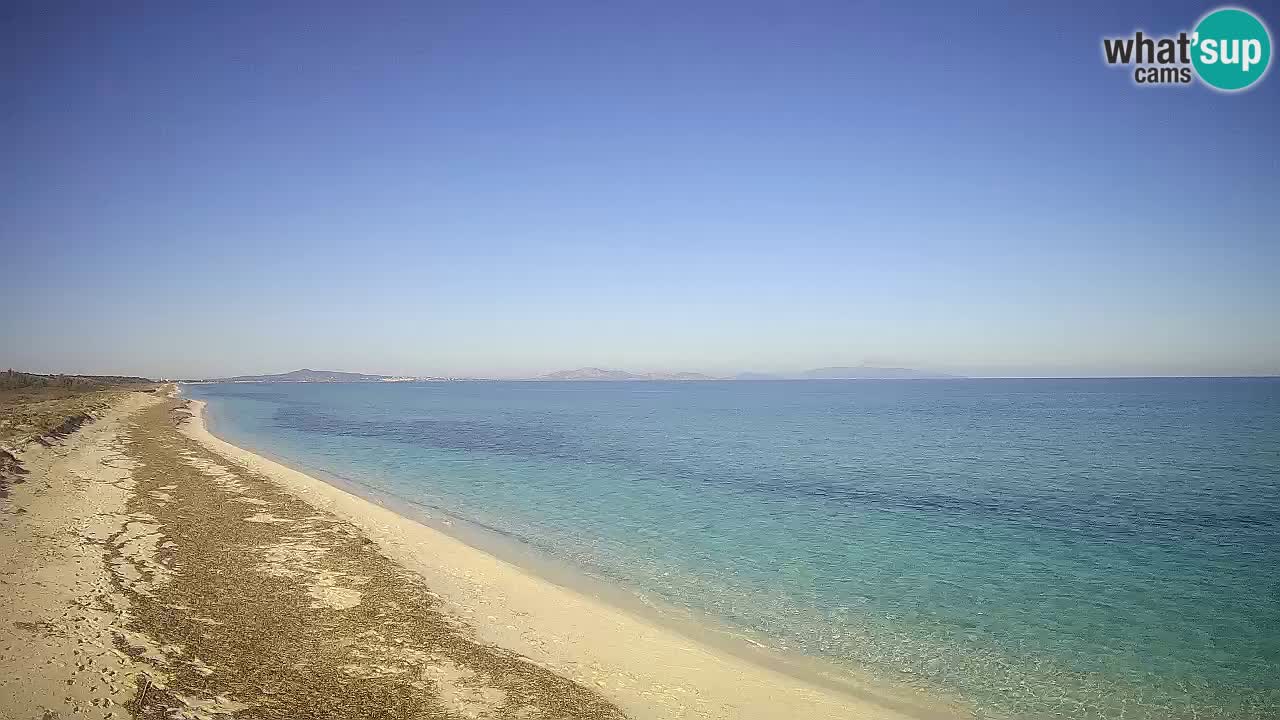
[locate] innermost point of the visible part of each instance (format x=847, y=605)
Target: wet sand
x=161, y=572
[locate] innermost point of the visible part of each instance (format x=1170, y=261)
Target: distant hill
x=595, y=373
x=590, y=373
x=310, y=376
x=681, y=376
x=758, y=376
x=867, y=372
x=861, y=372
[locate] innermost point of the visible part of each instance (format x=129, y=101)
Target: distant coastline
x=308, y=375
x=596, y=374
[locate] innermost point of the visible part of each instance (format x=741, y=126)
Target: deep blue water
x=1039, y=548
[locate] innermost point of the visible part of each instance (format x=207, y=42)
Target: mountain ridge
x=602, y=374
x=869, y=372
x=309, y=375
x=598, y=374
x=859, y=372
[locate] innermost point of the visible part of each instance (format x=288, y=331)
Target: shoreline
x=689, y=624
x=471, y=566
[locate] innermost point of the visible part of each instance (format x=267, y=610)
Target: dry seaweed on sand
x=262, y=604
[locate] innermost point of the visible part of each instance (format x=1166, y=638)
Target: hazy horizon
x=477, y=191
x=783, y=374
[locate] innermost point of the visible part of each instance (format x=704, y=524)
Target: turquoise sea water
x=1037, y=548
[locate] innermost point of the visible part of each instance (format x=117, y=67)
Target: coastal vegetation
x=39, y=408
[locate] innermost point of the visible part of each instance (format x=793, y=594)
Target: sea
x=1019, y=548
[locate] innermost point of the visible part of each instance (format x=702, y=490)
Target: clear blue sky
x=476, y=188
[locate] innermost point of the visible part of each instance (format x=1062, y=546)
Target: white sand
x=649, y=670
x=61, y=615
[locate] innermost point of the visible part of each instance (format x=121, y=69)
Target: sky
x=487, y=189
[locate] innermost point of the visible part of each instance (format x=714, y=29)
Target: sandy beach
x=162, y=572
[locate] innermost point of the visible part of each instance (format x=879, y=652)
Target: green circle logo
x=1232, y=49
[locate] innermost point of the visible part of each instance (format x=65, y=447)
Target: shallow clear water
x=1039, y=548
